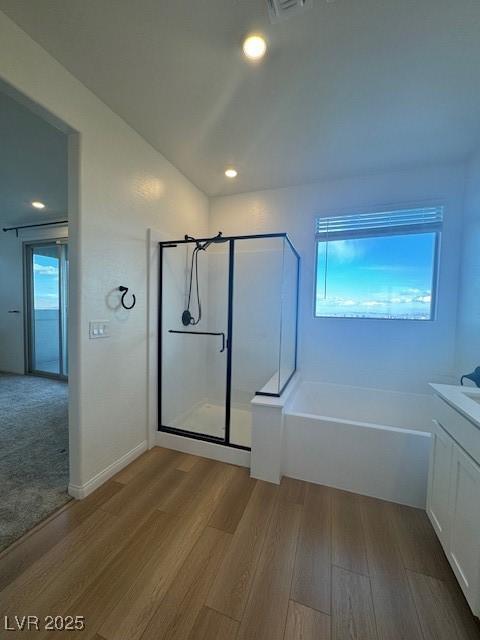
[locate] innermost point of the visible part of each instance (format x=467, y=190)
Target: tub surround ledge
x=267, y=434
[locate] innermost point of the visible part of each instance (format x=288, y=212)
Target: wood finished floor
x=180, y=547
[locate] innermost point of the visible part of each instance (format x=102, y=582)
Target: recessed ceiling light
x=38, y=205
x=231, y=173
x=254, y=47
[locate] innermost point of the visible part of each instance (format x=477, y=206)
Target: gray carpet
x=33, y=452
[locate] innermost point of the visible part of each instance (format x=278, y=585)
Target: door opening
x=47, y=308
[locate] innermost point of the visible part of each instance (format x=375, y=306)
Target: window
x=378, y=265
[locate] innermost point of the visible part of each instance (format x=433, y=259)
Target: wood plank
x=348, y=538
x=143, y=494
x=211, y=625
x=293, y=489
x=186, y=462
x=384, y=557
x=159, y=466
x=312, y=577
x=304, y=623
x=31, y=547
x=444, y=614
x=23, y=591
x=177, y=612
x=419, y=546
x=231, y=588
x=148, y=459
x=234, y=500
x=96, y=601
x=69, y=574
x=353, y=616
x=133, y=611
x=192, y=486
x=395, y=611
x=267, y=606
x=78, y=573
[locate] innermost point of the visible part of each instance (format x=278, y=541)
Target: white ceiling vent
x=282, y=9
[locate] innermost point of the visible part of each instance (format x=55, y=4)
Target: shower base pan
x=209, y=419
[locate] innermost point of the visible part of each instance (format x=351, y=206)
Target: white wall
x=125, y=187
x=377, y=353
x=12, y=325
x=469, y=308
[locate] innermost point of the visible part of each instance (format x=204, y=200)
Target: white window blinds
x=382, y=223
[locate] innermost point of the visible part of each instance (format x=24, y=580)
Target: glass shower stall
x=228, y=325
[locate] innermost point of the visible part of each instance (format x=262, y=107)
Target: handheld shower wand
x=187, y=316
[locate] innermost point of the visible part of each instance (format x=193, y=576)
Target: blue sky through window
x=376, y=277
x=45, y=278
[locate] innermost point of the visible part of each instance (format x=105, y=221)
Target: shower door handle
x=204, y=333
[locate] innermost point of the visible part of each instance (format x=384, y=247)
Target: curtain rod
x=30, y=226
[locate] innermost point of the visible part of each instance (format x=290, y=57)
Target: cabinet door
x=438, y=500
x=464, y=551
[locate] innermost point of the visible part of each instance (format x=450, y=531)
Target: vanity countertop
x=466, y=400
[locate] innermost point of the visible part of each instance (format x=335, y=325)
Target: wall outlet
x=98, y=329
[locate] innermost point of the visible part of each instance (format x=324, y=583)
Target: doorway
x=39, y=165
x=46, y=283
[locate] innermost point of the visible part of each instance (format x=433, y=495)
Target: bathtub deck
x=179, y=547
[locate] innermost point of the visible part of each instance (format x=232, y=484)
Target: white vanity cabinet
x=464, y=546
x=453, y=500
x=438, y=496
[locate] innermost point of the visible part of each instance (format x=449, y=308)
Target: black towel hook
x=122, y=300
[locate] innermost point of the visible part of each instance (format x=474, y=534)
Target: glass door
x=194, y=297
x=47, y=302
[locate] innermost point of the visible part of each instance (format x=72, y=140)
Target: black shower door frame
x=229, y=337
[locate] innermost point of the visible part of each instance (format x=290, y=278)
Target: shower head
x=216, y=239
x=206, y=243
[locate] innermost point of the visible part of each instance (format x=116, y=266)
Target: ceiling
x=349, y=87
x=33, y=166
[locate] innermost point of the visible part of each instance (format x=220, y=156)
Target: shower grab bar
x=203, y=333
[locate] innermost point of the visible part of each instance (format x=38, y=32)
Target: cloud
x=388, y=268
x=425, y=299
x=45, y=270
x=377, y=300
x=339, y=302
x=410, y=290
x=345, y=250
x=373, y=303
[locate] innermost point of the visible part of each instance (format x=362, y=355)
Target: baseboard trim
x=83, y=490
x=203, y=449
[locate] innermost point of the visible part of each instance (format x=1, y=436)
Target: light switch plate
x=98, y=329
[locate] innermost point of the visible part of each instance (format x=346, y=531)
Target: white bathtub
x=367, y=441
